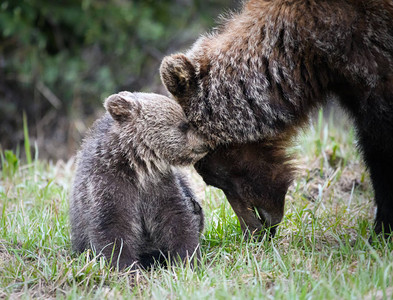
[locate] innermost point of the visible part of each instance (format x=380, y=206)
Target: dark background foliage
x=60, y=59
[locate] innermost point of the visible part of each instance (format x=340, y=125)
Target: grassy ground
x=319, y=252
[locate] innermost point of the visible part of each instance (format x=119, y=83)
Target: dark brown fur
x=259, y=76
x=254, y=177
x=127, y=202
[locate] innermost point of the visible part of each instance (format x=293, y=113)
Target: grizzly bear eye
x=184, y=126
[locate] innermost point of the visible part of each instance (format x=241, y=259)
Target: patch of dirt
x=379, y=295
x=340, y=182
x=5, y=256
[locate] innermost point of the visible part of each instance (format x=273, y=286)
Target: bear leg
x=380, y=165
x=375, y=129
x=114, y=250
x=180, y=235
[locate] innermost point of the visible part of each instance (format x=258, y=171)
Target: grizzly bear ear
x=121, y=106
x=178, y=76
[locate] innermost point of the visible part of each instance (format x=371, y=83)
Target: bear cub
x=128, y=201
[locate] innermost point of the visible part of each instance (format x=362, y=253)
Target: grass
x=320, y=250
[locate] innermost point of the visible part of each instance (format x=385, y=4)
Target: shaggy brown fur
x=127, y=202
x=258, y=76
x=254, y=177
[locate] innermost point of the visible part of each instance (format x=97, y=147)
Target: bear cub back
x=129, y=202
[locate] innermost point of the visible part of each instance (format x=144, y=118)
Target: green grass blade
x=27, y=140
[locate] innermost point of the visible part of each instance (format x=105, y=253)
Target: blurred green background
x=60, y=59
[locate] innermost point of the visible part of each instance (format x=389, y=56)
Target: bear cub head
x=154, y=128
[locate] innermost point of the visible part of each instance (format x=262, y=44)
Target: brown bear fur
x=254, y=177
x=128, y=203
x=261, y=73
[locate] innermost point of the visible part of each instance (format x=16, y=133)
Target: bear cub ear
x=121, y=106
x=178, y=75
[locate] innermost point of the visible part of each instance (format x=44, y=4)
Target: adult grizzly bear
x=127, y=201
x=249, y=85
